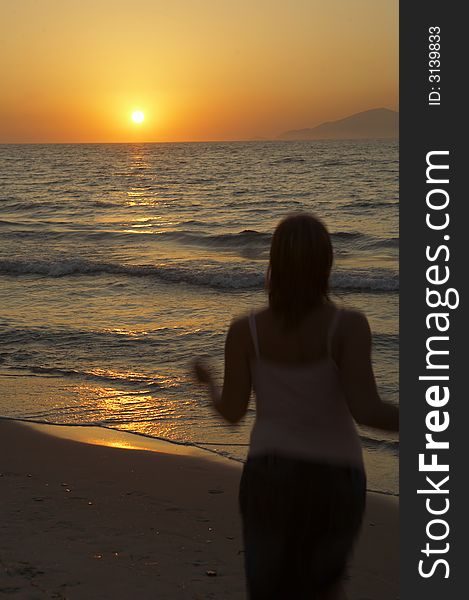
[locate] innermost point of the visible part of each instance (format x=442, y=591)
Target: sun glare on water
x=138, y=116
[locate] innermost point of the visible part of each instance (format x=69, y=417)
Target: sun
x=138, y=116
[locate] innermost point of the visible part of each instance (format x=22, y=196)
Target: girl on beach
x=303, y=487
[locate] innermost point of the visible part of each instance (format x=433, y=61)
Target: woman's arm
x=233, y=401
x=356, y=373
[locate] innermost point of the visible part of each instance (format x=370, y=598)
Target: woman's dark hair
x=301, y=258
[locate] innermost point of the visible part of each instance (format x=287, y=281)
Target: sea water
x=121, y=263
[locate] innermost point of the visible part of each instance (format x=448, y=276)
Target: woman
x=303, y=488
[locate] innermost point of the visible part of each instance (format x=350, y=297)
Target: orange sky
x=74, y=70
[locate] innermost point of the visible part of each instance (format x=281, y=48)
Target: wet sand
x=100, y=519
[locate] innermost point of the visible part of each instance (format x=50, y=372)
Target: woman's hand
x=233, y=400
x=202, y=373
x=357, y=377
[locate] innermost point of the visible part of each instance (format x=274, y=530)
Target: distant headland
x=369, y=124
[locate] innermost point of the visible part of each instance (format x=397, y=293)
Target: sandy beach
x=125, y=518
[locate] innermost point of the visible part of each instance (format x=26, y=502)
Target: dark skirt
x=300, y=521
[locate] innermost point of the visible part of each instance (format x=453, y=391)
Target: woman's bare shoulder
x=242, y=321
x=353, y=322
x=239, y=326
x=239, y=331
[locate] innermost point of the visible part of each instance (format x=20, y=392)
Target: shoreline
x=102, y=518
x=102, y=435
x=120, y=438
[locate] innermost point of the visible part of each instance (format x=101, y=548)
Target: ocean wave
x=223, y=277
x=350, y=235
x=372, y=281
x=377, y=445
x=371, y=205
x=29, y=338
x=288, y=160
x=132, y=380
x=247, y=239
x=333, y=163
x=392, y=242
x=6, y=223
x=13, y=204
x=68, y=336
x=217, y=276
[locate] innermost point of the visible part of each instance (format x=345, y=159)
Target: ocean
x=121, y=263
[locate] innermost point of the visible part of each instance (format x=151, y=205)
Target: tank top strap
x=253, y=328
x=332, y=329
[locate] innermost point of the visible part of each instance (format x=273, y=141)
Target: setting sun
x=138, y=116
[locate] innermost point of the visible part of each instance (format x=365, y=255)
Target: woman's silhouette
x=303, y=488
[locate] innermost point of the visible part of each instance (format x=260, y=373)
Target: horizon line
x=250, y=140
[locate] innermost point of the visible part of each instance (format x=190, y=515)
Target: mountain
x=374, y=123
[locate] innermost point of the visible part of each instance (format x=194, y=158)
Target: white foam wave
x=213, y=275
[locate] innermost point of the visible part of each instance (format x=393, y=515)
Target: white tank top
x=301, y=411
